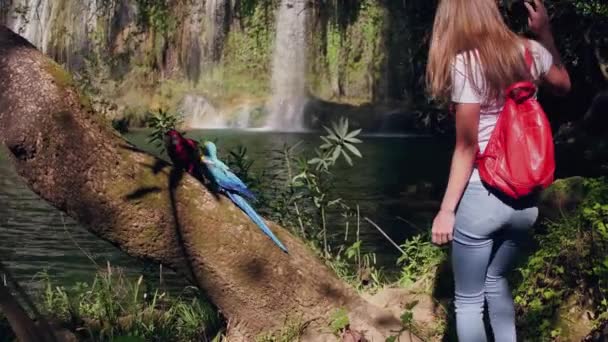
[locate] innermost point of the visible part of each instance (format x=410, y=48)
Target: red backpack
x=519, y=158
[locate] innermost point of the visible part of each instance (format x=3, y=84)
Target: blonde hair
x=476, y=29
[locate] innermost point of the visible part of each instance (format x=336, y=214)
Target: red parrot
x=184, y=153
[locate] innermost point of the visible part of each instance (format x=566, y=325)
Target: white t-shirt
x=463, y=91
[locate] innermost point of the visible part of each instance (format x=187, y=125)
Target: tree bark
x=73, y=159
x=24, y=328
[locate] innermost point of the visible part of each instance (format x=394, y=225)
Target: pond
x=398, y=184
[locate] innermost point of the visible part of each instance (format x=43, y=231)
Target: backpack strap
x=521, y=91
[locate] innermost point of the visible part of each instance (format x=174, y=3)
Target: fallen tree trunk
x=72, y=158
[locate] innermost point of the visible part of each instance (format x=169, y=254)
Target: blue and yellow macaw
x=229, y=184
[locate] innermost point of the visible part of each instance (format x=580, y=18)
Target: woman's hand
x=557, y=76
x=538, y=20
x=443, y=227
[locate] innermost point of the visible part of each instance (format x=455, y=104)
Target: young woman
x=473, y=58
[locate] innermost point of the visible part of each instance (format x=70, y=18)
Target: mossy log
x=71, y=158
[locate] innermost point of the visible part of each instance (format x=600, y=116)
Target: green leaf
x=335, y=128
x=334, y=202
x=339, y=321
x=343, y=128
x=391, y=339
x=353, y=140
x=353, y=249
x=353, y=134
x=407, y=317
x=327, y=144
x=336, y=153
x=353, y=150
x=331, y=135
x=347, y=157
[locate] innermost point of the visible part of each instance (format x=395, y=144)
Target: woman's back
x=467, y=87
x=485, y=230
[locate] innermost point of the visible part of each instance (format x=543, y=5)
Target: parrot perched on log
x=226, y=182
x=184, y=153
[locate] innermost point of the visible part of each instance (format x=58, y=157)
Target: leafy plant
x=420, y=259
x=407, y=322
x=161, y=122
x=338, y=142
x=339, y=321
x=569, y=263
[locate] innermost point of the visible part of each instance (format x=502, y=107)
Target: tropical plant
x=161, y=122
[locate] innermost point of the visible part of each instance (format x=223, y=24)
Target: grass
x=291, y=331
x=114, y=306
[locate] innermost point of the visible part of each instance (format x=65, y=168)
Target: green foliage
x=155, y=14
x=352, y=51
x=339, y=321
x=570, y=263
x=592, y=8
x=420, y=260
x=114, y=306
x=161, y=122
x=316, y=182
x=240, y=163
x=338, y=142
x=407, y=322
x=291, y=331
x=247, y=52
x=246, y=9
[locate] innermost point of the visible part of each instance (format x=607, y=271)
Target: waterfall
x=289, y=68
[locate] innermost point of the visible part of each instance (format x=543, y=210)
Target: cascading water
x=289, y=68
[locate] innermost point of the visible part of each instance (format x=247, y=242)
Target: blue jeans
x=487, y=238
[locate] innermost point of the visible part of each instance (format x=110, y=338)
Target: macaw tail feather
x=242, y=203
x=250, y=195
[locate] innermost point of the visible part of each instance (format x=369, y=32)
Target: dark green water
x=398, y=177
